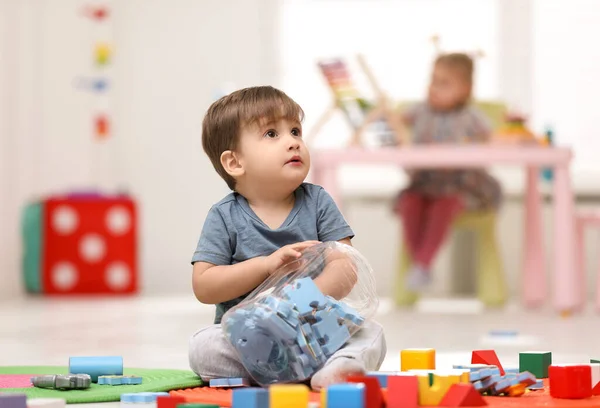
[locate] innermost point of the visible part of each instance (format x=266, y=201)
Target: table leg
x=329, y=181
x=566, y=295
x=534, y=268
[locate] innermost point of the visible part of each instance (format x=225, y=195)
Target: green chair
x=491, y=285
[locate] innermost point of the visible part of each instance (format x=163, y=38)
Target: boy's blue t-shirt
x=233, y=233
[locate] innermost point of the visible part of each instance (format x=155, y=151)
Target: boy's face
x=274, y=153
x=447, y=89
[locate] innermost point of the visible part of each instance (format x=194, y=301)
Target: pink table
x=326, y=163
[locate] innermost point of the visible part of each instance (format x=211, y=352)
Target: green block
x=197, y=406
x=592, y=361
x=536, y=362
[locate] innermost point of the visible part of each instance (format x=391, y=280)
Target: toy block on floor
x=596, y=389
x=488, y=357
x=383, y=376
x=403, y=391
x=46, y=403
x=516, y=390
x=570, y=381
x=373, y=394
x=96, y=366
x=433, y=394
x=250, y=398
x=164, y=401
x=595, y=374
x=346, y=396
x=288, y=396
x=119, y=380
x=536, y=362
x=13, y=401
x=417, y=359
x=196, y=405
x=229, y=382
x=462, y=395
x=142, y=397
x=539, y=385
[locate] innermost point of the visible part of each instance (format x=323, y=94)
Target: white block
x=46, y=403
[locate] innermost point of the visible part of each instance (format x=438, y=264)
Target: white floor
x=152, y=332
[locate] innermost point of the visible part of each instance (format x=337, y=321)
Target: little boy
x=253, y=138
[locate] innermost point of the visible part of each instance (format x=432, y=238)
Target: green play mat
x=153, y=380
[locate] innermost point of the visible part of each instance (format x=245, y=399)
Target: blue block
x=250, y=398
x=345, y=396
x=96, y=366
x=502, y=385
x=539, y=385
x=490, y=381
x=494, y=371
x=305, y=295
x=142, y=397
x=229, y=382
x=478, y=386
x=475, y=376
x=119, y=380
x=527, y=378
x=511, y=370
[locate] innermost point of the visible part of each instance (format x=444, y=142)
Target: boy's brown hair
x=459, y=62
x=246, y=107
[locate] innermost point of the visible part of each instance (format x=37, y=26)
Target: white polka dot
x=92, y=247
x=118, y=220
x=64, y=220
x=118, y=276
x=64, y=276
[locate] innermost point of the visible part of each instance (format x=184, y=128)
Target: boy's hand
x=286, y=254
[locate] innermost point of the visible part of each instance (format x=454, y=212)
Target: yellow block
x=441, y=384
x=323, y=397
x=417, y=359
x=288, y=396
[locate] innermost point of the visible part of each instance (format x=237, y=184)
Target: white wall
x=169, y=61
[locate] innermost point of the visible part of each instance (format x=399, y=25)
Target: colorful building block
x=372, y=393
x=512, y=370
x=141, y=397
x=46, y=403
x=462, y=395
x=595, y=373
x=382, y=376
x=164, y=401
x=539, y=385
x=250, y=398
x=433, y=395
x=13, y=401
x=596, y=389
x=417, y=359
x=516, y=390
x=288, y=396
x=96, y=366
x=488, y=357
x=346, y=396
x=536, y=362
x=119, y=380
x=570, y=381
x=403, y=391
x=229, y=382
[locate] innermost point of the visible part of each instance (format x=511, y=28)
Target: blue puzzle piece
x=229, y=382
x=346, y=312
x=346, y=396
x=318, y=351
x=539, y=385
x=526, y=378
x=305, y=295
x=119, y=380
x=329, y=332
x=250, y=398
x=334, y=341
x=142, y=397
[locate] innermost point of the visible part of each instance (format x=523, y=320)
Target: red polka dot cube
x=87, y=245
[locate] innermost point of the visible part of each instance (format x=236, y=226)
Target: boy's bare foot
x=336, y=371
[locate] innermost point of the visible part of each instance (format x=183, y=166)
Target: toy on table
x=515, y=130
x=287, y=329
x=63, y=382
x=358, y=111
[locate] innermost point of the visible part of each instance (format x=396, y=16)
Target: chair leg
x=403, y=296
x=491, y=283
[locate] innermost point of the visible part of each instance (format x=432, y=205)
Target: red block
x=488, y=357
x=373, y=394
x=402, y=391
x=169, y=402
x=462, y=395
x=89, y=245
x=596, y=389
x=570, y=381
